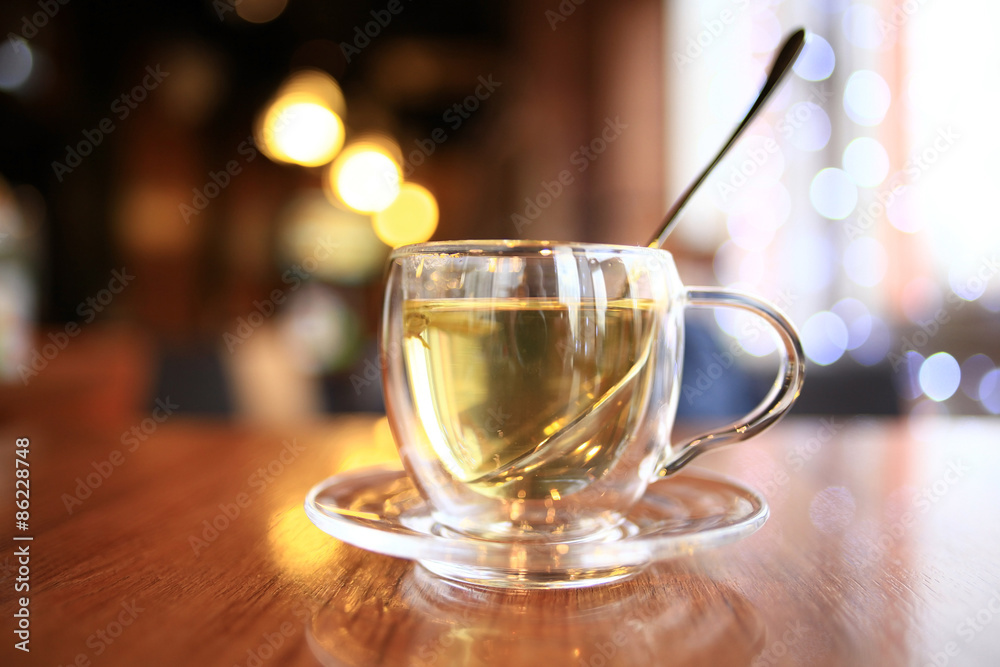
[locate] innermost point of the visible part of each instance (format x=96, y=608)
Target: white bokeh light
x=861, y=26
x=876, y=345
x=858, y=319
x=829, y=6
x=866, y=98
x=989, y=391
x=974, y=369
x=965, y=279
x=824, y=338
x=817, y=60
x=866, y=261
x=16, y=62
x=726, y=262
x=813, y=265
x=940, y=376
x=807, y=126
x=866, y=162
x=766, y=32
x=833, y=194
x=753, y=268
x=750, y=232
x=909, y=388
x=752, y=333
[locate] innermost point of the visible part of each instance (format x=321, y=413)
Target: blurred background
x=197, y=197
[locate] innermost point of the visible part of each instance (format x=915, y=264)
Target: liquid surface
x=528, y=398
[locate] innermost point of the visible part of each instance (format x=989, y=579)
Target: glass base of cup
x=379, y=509
x=492, y=577
x=608, y=527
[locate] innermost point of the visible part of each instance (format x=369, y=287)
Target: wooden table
x=882, y=549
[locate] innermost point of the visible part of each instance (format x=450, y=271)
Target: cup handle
x=779, y=399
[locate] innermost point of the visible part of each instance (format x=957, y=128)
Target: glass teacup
x=532, y=386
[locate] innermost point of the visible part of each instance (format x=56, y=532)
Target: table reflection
x=665, y=616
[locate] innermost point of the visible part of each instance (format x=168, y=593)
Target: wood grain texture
x=881, y=549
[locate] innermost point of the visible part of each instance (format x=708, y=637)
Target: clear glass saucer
x=379, y=509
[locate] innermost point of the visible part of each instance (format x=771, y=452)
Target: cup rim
x=517, y=247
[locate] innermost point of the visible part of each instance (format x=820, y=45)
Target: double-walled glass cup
x=531, y=386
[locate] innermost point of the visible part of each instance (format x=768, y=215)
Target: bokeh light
x=965, y=279
x=858, y=319
x=833, y=193
x=16, y=62
x=866, y=162
x=765, y=36
x=751, y=332
x=824, y=338
x=726, y=262
x=989, y=391
x=302, y=132
x=753, y=268
x=866, y=98
x=366, y=176
x=861, y=26
x=322, y=331
x=866, y=261
x=974, y=369
x=813, y=264
x=817, y=60
x=909, y=386
x=303, y=123
x=411, y=218
x=829, y=6
x=940, y=376
x=328, y=242
x=876, y=345
x=811, y=128
x=259, y=11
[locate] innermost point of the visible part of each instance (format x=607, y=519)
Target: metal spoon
x=779, y=68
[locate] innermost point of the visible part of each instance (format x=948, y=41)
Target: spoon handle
x=779, y=68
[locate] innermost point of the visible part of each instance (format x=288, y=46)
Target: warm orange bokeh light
x=411, y=218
